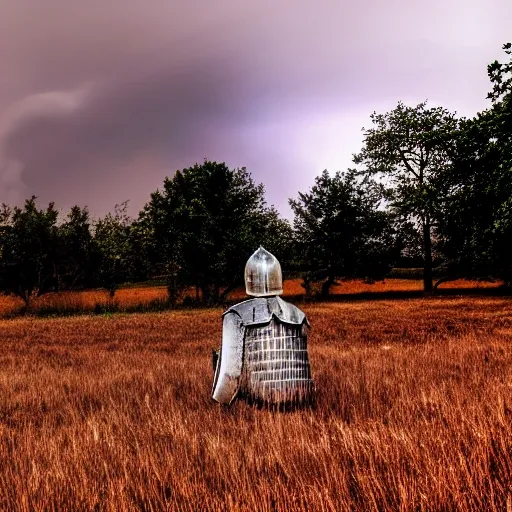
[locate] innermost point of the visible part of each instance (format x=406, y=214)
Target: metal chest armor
x=264, y=354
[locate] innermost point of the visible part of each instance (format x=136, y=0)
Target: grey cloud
x=101, y=101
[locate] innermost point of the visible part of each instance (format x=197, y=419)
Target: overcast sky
x=100, y=100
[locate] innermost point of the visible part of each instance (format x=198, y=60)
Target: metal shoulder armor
x=229, y=365
x=261, y=310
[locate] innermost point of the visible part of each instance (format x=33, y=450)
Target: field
x=142, y=298
x=112, y=412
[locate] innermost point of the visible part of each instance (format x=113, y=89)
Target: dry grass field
x=146, y=296
x=414, y=412
x=85, y=301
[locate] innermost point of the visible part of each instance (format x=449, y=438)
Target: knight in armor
x=263, y=357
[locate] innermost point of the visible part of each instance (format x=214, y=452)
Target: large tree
x=411, y=150
x=342, y=231
x=204, y=224
x=477, y=226
x=28, y=250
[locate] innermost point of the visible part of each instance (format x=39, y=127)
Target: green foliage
x=341, y=232
x=204, y=224
x=75, y=250
x=500, y=74
x=28, y=250
x=112, y=248
x=411, y=150
x=477, y=226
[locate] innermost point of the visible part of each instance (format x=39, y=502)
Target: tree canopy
x=341, y=231
x=112, y=248
x=204, y=225
x=28, y=248
x=411, y=149
x=476, y=231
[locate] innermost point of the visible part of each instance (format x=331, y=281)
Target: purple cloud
x=99, y=102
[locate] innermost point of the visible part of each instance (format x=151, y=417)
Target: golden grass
x=292, y=287
x=86, y=300
x=414, y=412
x=394, y=285
x=90, y=300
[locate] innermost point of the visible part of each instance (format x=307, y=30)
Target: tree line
x=427, y=189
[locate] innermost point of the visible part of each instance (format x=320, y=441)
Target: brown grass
x=146, y=296
x=86, y=300
x=293, y=287
x=414, y=412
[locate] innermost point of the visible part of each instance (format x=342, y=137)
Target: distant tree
x=28, y=250
x=411, y=149
x=138, y=263
x=75, y=250
x=476, y=230
x=112, y=248
x=276, y=235
x=342, y=232
x=204, y=224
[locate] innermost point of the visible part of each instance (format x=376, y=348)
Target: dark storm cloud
x=99, y=101
x=166, y=112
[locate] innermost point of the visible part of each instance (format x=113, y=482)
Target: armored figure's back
x=264, y=355
x=275, y=364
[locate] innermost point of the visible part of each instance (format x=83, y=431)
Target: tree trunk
x=444, y=280
x=226, y=291
x=427, y=247
x=326, y=287
x=307, y=285
x=207, y=294
x=26, y=304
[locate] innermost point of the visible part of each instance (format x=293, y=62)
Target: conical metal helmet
x=263, y=275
